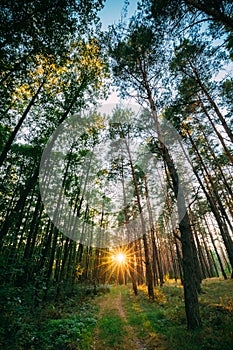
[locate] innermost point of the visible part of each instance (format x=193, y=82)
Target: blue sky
x=112, y=11
x=111, y=14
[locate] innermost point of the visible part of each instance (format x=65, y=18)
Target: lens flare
x=120, y=262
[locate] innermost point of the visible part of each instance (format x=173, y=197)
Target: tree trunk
x=215, y=248
x=190, y=290
x=221, y=139
x=149, y=276
x=131, y=245
x=221, y=224
x=157, y=268
x=18, y=126
x=211, y=101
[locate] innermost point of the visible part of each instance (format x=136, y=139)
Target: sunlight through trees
x=129, y=197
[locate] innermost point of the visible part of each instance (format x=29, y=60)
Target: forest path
x=126, y=322
x=113, y=329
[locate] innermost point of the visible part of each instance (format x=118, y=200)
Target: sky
x=111, y=14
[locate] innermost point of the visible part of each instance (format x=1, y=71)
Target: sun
x=120, y=258
x=119, y=262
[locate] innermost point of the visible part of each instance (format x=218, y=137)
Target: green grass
x=162, y=324
x=111, y=331
x=111, y=326
x=74, y=324
x=72, y=330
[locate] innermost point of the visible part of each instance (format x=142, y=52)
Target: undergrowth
x=72, y=322
x=66, y=324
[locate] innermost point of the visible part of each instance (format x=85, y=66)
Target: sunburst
x=120, y=258
x=120, y=261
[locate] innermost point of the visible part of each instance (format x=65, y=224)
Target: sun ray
x=119, y=261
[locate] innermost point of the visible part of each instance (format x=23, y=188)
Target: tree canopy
x=88, y=198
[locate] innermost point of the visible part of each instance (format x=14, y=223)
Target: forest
x=116, y=227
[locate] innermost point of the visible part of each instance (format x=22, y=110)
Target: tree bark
x=18, y=126
x=190, y=290
x=221, y=224
x=211, y=101
x=149, y=277
x=131, y=244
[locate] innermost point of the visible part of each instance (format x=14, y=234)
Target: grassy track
x=113, y=330
x=120, y=321
x=129, y=322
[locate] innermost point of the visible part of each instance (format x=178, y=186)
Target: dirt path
x=111, y=307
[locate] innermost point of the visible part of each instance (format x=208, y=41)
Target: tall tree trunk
x=190, y=290
x=149, y=276
x=13, y=217
x=157, y=268
x=221, y=139
x=215, y=248
x=130, y=244
x=211, y=101
x=221, y=224
x=29, y=247
x=18, y=126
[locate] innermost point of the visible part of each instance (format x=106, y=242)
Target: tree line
x=170, y=164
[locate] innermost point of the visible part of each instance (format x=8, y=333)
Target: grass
x=111, y=331
x=162, y=324
x=115, y=320
x=66, y=330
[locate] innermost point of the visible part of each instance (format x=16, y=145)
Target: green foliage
x=61, y=333
x=27, y=321
x=67, y=324
x=227, y=88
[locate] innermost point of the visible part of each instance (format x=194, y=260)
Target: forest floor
x=128, y=322
x=114, y=330
x=116, y=319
